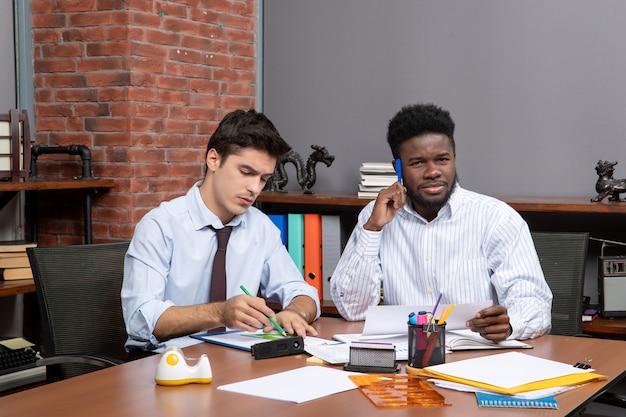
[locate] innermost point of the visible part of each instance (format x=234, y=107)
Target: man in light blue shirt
x=167, y=270
x=427, y=236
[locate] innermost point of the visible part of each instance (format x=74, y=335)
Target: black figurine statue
x=305, y=173
x=606, y=185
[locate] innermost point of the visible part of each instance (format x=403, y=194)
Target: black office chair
x=563, y=257
x=78, y=291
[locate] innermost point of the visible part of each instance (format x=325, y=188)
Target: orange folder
x=313, y=252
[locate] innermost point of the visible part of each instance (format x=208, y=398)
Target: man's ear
x=213, y=160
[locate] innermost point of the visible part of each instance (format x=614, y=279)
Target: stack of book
x=375, y=176
x=14, y=262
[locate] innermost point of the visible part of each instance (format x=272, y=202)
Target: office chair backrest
x=78, y=290
x=563, y=257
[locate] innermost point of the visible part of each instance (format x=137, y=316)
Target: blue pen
x=399, y=169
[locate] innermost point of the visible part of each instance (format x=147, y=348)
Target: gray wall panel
x=537, y=89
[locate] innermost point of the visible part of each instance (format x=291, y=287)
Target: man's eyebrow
x=253, y=170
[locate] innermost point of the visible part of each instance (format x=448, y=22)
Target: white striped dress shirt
x=477, y=248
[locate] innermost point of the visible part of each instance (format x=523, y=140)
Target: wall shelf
x=519, y=203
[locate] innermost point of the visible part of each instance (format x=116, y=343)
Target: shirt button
x=430, y=291
x=428, y=225
x=427, y=258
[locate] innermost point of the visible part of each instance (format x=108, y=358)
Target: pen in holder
x=427, y=344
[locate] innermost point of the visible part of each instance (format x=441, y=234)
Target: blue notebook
x=508, y=401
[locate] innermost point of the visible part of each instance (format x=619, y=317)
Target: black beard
x=433, y=205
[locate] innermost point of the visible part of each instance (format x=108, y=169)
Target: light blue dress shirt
x=170, y=259
x=477, y=248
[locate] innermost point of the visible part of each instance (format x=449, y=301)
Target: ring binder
x=507, y=401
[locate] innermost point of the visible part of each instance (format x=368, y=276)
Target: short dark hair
x=416, y=120
x=247, y=129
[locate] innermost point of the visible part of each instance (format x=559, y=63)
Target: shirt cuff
x=368, y=242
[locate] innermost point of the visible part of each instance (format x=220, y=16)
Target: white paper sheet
x=298, y=385
x=389, y=319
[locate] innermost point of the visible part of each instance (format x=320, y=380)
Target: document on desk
x=298, y=385
x=389, y=324
x=390, y=319
x=511, y=373
x=242, y=340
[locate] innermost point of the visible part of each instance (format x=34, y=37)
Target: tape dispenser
x=173, y=369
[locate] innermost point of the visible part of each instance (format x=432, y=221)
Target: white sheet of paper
x=390, y=319
x=507, y=370
x=298, y=385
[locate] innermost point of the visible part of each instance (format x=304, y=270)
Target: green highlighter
x=280, y=329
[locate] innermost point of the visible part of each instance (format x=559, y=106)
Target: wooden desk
x=605, y=327
x=129, y=389
x=9, y=189
x=18, y=286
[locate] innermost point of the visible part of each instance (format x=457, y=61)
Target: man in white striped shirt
x=427, y=235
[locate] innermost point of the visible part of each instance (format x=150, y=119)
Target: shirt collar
x=200, y=214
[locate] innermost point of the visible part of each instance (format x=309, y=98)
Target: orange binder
x=313, y=252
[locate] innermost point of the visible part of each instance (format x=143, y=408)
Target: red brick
x=50, y=124
x=95, y=34
x=187, y=170
x=92, y=109
x=173, y=83
x=58, y=110
x=159, y=37
x=90, y=19
x=46, y=36
x=149, y=50
x=175, y=126
x=64, y=50
x=67, y=6
x=100, y=64
x=77, y=95
x=171, y=10
x=65, y=80
x=173, y=97
x=111, y=4
x=108, y=49
x=142, y=94
x=112, y=139
x=54, y=65
x=48, y=21
x=107, y=79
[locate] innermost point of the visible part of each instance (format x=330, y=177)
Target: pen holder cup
x=427, y=344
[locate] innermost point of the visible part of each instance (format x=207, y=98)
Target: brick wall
x=142, y=83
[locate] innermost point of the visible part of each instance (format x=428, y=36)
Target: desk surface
x=606, y=327
x=129, y=389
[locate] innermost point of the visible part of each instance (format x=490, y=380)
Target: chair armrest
x=611, y=398
x=100, y=361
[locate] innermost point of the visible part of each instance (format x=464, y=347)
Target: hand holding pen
x=388, y=203
x=271, y=319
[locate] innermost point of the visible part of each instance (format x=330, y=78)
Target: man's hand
x=246, y=313
x=293, y=323
x=388, y=202
x=492, y=323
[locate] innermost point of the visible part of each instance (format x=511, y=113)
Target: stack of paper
x=375, y=176
x=511, y=373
